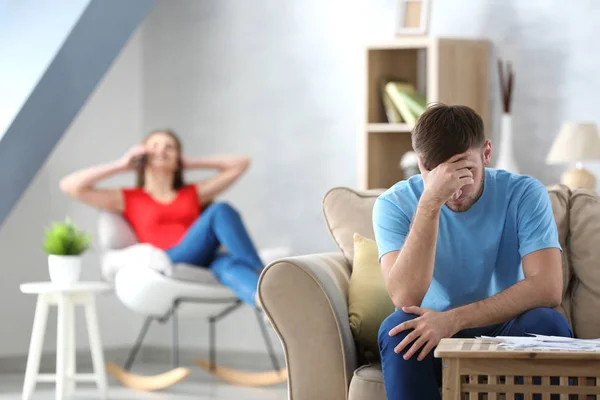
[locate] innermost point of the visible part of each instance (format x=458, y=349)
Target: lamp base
x=578, y=178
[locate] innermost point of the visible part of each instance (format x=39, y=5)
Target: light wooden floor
x=198, y=386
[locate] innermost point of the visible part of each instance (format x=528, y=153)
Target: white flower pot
x=64, y=270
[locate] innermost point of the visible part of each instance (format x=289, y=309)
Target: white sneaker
x=141, y=255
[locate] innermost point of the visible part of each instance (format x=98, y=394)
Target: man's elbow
x=406, y=300
x=555, y=297
x=554, y=294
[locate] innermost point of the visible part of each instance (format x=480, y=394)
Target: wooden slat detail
x=532, y=389
x=471, y=366
x=564, y=381
x=451, y=386
x=545, y=385
x=492, y=380
x=510, y=381
x=473, y=394
x=527, y=380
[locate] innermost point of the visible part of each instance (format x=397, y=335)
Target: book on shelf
x=402, y=102
x=391, y=112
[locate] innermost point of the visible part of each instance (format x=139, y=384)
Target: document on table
x=542, y=342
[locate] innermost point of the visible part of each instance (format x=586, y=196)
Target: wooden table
x=482, y=370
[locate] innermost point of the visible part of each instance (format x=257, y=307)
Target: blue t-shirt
x=478, y=251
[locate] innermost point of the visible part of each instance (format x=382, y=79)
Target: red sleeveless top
x=161, y=224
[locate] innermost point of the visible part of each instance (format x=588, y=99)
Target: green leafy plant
x=65, y=239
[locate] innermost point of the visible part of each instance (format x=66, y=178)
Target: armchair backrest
x=114, y=232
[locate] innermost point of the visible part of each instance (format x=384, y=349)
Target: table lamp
x=576, y=142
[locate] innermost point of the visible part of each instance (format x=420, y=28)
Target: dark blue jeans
x=239, y=267
x=419, y=380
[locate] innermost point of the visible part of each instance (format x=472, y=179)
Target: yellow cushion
x=368, y=301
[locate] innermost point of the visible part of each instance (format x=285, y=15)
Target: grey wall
x=105, y=127
x=62, y=89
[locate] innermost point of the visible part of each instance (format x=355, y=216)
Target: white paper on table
x=542, y=342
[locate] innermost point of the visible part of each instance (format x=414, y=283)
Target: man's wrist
x=457, y=319
x=429, y=206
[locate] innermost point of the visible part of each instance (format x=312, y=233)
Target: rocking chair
x=164, y=296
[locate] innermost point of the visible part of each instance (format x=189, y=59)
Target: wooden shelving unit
x=452, y=71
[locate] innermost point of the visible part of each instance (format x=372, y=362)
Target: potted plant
x=65, y=243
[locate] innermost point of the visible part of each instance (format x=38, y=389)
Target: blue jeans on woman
x=419, y=380
x=239, y=267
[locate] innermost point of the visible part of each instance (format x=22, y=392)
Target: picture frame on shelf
x=413, y=17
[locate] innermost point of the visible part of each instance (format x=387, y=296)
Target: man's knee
x=387, y=342
x=545, y=321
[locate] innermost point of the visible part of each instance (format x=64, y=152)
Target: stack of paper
x=542, y=342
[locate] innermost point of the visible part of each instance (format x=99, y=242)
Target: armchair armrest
x=306, y=300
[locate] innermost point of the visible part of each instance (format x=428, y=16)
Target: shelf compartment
x=383, y=158
x=386, y=127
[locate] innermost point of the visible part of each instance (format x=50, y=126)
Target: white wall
x=109, y=123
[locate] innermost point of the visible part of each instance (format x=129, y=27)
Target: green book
x=395, y=90
x=415, y=102
x=391, y=112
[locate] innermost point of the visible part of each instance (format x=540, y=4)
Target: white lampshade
x=575, y=142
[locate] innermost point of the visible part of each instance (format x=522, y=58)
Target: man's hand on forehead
x=454, y=163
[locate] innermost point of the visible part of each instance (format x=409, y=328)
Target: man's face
x=464, y=199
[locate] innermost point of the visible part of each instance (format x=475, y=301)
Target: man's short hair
x=443, y=131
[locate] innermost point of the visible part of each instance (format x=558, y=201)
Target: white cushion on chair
x=114, y=232
x=191, y=273
x=149, y=292
x=139, y=255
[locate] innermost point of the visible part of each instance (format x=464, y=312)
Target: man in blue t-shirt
x=465, y=251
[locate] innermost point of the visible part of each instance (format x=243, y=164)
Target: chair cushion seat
x=192, y=273
x=149, y=292
x=367, y=384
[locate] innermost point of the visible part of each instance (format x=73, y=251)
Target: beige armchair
x=306, y=300
x=306, y=297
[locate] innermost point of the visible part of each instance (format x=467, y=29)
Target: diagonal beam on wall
x=86, y=55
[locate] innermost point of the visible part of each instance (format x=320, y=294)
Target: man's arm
x=542, y=287
x=542, y=266
x=408, y=273
x=408, y=256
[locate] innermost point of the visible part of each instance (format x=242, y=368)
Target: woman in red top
x=173, y=217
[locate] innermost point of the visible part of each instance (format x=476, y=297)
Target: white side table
x=65, y=298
